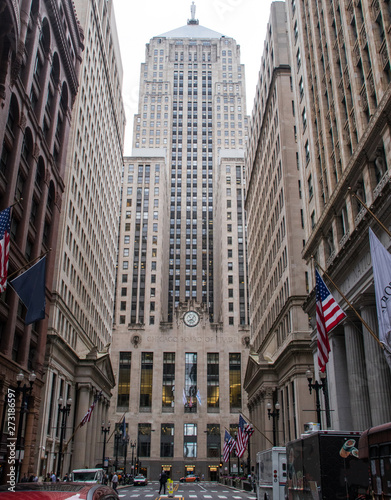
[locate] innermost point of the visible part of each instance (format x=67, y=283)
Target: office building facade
x=181, y=333
x=40, y=52
x=78, y=367
x=340, y=53
x=278, y=277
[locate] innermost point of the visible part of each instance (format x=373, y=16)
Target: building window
x=190, y=441
x=191, y=381
x=310, y=187
x=235, y=394
x=298, y=59
x=307, y=152
x=168, y=380
x=313, y=219
x=304, y=118
x=167, y=440
x=144, y=440
x=124, y=380
x=146, y=381
x=212, y=381
x=213, y=441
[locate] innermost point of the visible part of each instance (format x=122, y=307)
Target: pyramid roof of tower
x=192, y=31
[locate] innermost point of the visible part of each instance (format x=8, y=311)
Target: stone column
x=80, y=441
x=337, y=371
x=378, y=372
x=358, y=383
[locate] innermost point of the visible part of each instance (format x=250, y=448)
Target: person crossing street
x=163, y=482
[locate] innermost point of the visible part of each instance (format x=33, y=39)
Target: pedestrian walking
x=163, y=482
x=114, y=481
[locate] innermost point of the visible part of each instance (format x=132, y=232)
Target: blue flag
x=30, y=286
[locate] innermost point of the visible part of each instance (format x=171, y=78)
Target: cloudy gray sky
x=140, y=20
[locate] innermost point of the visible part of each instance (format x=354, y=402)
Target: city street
x=200, y=491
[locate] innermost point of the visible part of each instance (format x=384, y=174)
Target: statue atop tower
x=193, y=20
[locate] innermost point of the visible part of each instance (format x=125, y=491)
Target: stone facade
x=81, y=316
x=340, y=54
x=182, y=250
x=40, y=54
x=278, y=277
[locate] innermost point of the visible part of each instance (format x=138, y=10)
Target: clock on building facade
x=191, y=318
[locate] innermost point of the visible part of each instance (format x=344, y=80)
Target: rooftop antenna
x=193, y=20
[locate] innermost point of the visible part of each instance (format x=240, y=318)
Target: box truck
x=271, y=474
x=325, y=465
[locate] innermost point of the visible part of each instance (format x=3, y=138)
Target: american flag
x=229, y=445
x=328, y=316
x=245, y=430
x=87, y=416
x=5, y=229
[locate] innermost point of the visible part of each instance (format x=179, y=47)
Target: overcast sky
x=139, y=21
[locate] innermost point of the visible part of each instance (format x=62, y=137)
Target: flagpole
x=77, y=428
x=16, y=203
x=349, y=304
x=255, y=427
x=120, y=420
x=70, y=439
x=369, y=210
x=28, y=263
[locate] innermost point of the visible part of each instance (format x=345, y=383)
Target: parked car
x=140, y=480
x=190, y=478
x=58, y=491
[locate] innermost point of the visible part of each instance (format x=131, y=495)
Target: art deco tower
x=181, y=320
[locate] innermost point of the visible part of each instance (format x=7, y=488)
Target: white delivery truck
x=271, y=474
x=87, y=475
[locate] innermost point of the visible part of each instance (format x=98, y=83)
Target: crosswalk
x=203, y=491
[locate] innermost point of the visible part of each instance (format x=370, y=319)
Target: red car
x=57, y=491
x=191, y=478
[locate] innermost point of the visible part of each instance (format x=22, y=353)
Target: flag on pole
x=87, y=416
x=198, y=396
x=244, y=432
x=30, y=286
x=5, y=230
x=184, y=399
x=381, y=263
x=328, y=316
x=229, y=445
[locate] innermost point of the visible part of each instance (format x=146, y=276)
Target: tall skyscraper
x=78, y=366
x=181, y=334
x=278, y=277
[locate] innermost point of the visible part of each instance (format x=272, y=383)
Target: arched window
x=12, y=120
x=27, y=146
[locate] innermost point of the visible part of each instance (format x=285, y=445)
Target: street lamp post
x=105, y=430
x=275, y=415
x=125, y=442
x=117, y=438
x=26, y=392
x=133, y=446
x=63, y=410
x=317, y=387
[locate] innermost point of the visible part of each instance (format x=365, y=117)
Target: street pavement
x=187, y=491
